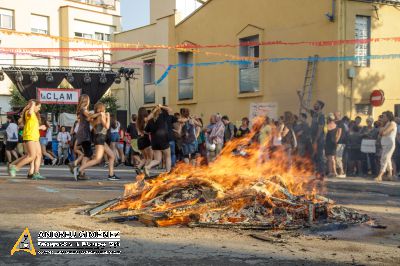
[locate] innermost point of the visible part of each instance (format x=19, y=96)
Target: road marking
x=47, y=189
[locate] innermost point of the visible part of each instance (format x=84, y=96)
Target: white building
x=55, y=23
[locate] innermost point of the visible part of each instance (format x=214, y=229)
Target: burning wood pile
x=246, y=187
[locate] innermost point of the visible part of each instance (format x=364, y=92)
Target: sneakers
x=54, y=162
x=341, y=176
x=113, y=178
x=12, y=171
x=71, y=167
x=38, y=176
x=83, y=177
x=75, y=171
x=29, y=176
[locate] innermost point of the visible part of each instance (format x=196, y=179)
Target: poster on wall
x=263, y=109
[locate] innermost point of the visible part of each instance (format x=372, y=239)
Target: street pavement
x=56, y=203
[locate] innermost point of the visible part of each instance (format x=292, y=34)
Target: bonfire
x=247, y=186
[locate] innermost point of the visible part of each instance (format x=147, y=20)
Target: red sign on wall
x=377, y=98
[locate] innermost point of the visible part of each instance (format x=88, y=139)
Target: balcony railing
x=249, y=80
x=149, y=93
x=102, y=3
x=185, y=91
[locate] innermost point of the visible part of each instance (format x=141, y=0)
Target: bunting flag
x=280, y=59
x=185, y=46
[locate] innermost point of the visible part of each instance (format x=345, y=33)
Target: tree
x=111, y=103
x=17, y=100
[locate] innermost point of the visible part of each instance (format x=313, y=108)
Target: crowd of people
x=161, y=138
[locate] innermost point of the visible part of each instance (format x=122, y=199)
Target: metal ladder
x=309, y=81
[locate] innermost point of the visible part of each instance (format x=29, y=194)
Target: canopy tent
x=96, y=85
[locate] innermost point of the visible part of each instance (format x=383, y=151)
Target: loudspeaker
x=122, y=117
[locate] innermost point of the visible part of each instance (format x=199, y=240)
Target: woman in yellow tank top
x=30, y=119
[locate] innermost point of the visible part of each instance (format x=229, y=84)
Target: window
x=363, y=109
x=83, y=35
x=149, y=81
x=39, y=24
x=185, y=76
x=99, y=36
x=397, y=110
x=362, y=32
x=6, y=19
x=249, y=74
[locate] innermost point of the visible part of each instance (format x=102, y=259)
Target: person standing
x=302, y=131
x=332, y=138
x=114, y=137
x=243, y=130
x=133, y=136
x=216, y=138
x=230, y=129
x=317, y=135
x=63, y=138
x=12, y=139
x=144, y=144
x=343, y=124
x=30, y=120
x=188, y=135
x=157, y=127
x=44, y=140
x=388, y=133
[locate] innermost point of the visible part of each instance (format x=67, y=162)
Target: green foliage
x=16, y=98
x=111, y=103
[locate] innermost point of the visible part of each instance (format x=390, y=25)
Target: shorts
x=134, y=145
x=99, y=139
x=114, y=137
x=143, y=142
x=11, y=145
x=87, y=149
x=120, y=146
x=43, y=141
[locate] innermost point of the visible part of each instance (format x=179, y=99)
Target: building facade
x=56, y=24
x=150, y=63
x=232, y=88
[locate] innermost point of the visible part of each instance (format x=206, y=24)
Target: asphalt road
x=55, y=203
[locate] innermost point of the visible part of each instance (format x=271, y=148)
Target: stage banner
x=263, y=109
x=58, y=96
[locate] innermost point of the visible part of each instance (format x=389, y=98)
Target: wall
x=156, y=33
x=381, y=74
x=225, y=22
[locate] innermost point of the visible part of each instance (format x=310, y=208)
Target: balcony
x=185, y=91
x=249, y=79
x=149, y=93
x=102, y=3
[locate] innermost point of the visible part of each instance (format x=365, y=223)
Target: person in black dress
x=143, y=140
x=332, y=138
x=157, y=127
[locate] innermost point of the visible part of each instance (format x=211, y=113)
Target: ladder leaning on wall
x=309, y=78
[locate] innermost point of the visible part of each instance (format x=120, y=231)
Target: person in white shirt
x=12, y=139
x=388, y=141
x=63, y=139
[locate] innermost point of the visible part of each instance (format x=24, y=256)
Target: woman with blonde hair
x=30, y=119
x=101, y=123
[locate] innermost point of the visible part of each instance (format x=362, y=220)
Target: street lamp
x=127, y=73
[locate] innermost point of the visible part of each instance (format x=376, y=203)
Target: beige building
x=233, y=89
x=150, y=64
x=80, y=19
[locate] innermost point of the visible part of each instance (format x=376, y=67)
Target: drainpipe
x=331, y=16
